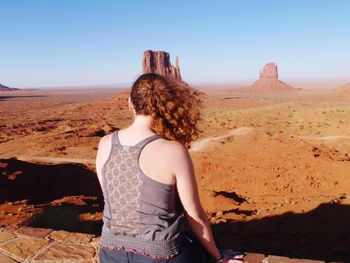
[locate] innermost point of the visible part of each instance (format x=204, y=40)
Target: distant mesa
x=270, y=71
x=269, y=82
x=5, y=88
x=344, y=89
x=159, y=62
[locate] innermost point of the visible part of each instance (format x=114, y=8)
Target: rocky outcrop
x=5, y=88
x=269, y=82
x=159, y=62
x=269, y=71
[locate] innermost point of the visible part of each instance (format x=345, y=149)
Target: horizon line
x=307, y=80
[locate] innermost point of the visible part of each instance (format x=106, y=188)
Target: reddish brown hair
x=173, y=105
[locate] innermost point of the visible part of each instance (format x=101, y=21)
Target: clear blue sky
x=87, y=42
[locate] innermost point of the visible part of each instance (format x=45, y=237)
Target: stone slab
x=277, y=259
x=4, y=236
x=64, y=236
x=63, y=252
x=34, y=232
x=10, y=229
x=254, y=258
x=5, y=259
x=96, y=241
x=23, y=248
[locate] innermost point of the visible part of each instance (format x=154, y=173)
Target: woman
x=147, y=177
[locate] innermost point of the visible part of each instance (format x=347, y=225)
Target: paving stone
x=277, y=259
x=34, y=232
x=96, y=241
x=254, y=258
x=10, y=229
x=23, y=248
x=65, y=253
x=5, y=259
x=71, y=237
x=4, y=236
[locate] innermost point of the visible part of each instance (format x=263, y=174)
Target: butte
x=159, y=62
x=268, y=81
x=5, y=88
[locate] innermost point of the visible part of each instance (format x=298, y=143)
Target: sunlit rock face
x=159, y=62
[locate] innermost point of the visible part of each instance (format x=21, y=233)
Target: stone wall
x=39, y=245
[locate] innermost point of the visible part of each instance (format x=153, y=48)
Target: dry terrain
x=273, y=170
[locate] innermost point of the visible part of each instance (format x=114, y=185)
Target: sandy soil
x=273, y=170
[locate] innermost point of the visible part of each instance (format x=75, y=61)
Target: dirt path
x=197, y=146
x=331, y=138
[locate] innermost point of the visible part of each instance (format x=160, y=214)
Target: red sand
x=279, y=185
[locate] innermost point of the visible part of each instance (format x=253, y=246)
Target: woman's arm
x=196, y=217
x=188, y=193
x=103, y=150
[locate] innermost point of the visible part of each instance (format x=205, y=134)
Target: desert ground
x=273, y=170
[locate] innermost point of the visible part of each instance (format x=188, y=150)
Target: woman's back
x=155, y=159
x=137, y=207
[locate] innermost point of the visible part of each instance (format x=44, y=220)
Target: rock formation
x=159, y=62
x=5, y=88
x=269, y=71
x=269, y=82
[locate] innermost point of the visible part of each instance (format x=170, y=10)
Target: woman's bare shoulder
x=169, y=149
x=103, y=146
x=105, y=140
x=102, y=153
x=170, y=145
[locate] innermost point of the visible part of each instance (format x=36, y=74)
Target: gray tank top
x=140, y=214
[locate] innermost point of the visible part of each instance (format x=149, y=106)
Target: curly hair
x=173, y=106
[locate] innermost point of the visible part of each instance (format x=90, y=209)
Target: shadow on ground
x=62, y=192
x=20, y=96
x=322, y=233
x=44, y=183
x=66, y=217
x=231, y=195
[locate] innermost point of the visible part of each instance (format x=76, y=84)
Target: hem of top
x=112, y=248
x=155, y=248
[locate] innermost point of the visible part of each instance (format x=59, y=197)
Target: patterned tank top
x=140, y=213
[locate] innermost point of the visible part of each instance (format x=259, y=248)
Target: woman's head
x=173, y=106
